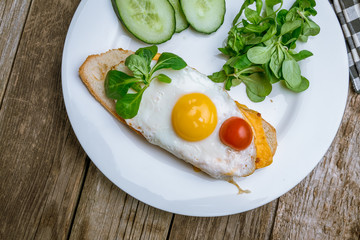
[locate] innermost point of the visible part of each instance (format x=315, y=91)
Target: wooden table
x=49, y=188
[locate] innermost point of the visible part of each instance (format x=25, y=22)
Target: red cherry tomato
x=236, y=133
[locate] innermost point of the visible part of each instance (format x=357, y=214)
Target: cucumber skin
x=180, y=30
x=113, y=3
x=200, y=31
x=182, y=15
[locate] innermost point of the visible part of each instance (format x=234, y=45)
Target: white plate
x=306, y=123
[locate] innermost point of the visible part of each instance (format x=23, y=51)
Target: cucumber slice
x=205, y=16
x=181, y=23
x=151, y=21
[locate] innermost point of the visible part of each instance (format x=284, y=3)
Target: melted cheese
x=196, y=169
x=240, y=190
x=264, y=156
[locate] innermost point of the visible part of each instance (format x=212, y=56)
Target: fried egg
x=192, y=117
x=185, y=117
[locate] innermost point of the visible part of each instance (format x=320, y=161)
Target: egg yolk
x=194, y=117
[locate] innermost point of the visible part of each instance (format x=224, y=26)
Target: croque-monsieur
x=191, y=117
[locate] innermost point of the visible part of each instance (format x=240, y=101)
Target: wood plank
x=42, y=165
x=12, y=19
x=106, y=212
x=326, y=205
x=255, y=224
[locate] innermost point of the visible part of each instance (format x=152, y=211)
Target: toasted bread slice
x=270, y=136
x=93, y=72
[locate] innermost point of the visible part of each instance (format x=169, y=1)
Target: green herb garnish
x=261, y=47
x=117, y=83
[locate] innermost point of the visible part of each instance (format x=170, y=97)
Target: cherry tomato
x=236, y=133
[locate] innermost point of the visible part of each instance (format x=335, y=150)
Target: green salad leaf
x=138, y=66
x=169, y=60
x=260, y=54
x=128, y=106
x=147, y=53
x=261, y=47
x=163, y=78
x=117, y=83
x=291, y=72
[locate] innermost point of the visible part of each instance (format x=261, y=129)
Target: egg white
x=153, y=121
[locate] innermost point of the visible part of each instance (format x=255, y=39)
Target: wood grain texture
x=255, y=224
x=326, y=205
x=12, y=19
x=106, y=212
x=49, y=190
x=42, y=164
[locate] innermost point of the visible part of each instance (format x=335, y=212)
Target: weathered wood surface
x=48, y=189
x=12, y=18
x=326, y=205
x=255, y=224
x=42, y=164
x=106, y=212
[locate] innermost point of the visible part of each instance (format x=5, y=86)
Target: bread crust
x=270, y=133
x=93, y=72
